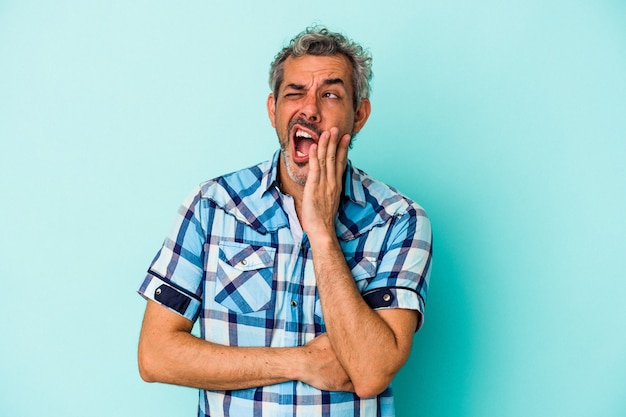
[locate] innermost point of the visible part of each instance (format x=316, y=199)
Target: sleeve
x=403, y=271
x=174, y=278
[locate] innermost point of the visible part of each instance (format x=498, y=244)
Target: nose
x=310, y=108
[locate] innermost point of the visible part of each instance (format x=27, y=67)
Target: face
x=315, y=95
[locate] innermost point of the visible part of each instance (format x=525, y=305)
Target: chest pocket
x=244, y=277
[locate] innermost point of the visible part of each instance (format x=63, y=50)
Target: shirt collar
x=365, y=203
x=270, y=177
x=352, y=184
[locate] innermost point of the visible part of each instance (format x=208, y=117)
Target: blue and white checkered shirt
x=237, y=259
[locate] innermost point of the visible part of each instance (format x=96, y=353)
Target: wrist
x=323, y=238
x=293, y=361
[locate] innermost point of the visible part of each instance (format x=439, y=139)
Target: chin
x=298, y=172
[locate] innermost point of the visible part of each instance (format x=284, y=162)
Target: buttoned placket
x=295, y=273
x=294, y=287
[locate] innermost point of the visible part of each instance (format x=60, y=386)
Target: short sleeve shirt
x=237, y=261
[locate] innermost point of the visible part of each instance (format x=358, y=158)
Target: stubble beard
x=299, y=179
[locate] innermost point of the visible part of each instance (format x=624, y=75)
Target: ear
x=363, y=111
x=271, y=109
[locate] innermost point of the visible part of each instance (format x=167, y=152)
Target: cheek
x=282, y=123
x=340, y=117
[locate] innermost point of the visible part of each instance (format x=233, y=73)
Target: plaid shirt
x=237, y=259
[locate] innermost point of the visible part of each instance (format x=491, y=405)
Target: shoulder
x=247, y=195
x=370, y=203
x=382, y=197
x=235, y=184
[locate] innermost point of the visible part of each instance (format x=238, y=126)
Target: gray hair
x=317, y=40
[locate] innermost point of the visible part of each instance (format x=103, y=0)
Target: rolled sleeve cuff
x=396, y=297
x=171, y=296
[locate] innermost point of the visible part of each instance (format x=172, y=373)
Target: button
x=243, y=262
x=380, y=297
x=294, y=303
x=158, y=291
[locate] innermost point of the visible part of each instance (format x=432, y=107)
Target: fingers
x=314, y=166
x=322, y=190
x=328, y=158
x=323, y=144
x=342, y=155
x=324, y=369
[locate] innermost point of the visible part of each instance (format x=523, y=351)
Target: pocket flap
x=246, y=257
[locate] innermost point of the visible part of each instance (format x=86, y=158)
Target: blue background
x=505, y=120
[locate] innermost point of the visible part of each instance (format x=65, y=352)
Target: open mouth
x=302, y=140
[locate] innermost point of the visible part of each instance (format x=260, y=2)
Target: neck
x=289, y=186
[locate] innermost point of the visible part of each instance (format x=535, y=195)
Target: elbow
x=147, y=369
x=378, y=375
x=369, y=390
x=371, y=386
x=145, y=374
x=376, y=381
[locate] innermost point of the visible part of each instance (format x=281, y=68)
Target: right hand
x=322, y=369
x=320, y=201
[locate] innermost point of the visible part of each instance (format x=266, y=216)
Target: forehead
x=309, y=68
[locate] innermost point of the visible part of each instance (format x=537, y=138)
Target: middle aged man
x=308, y=276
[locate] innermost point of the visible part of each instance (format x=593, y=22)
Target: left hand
x=327, y=163
x=322, y=367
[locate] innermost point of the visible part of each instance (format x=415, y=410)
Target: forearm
x=366, y=345
x=370, y=346
x=169, y=353
x=186, y=360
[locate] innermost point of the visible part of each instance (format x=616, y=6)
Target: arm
x=371, y=346
x=169, y=353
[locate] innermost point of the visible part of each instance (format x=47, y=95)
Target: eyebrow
x=329, y=81
x=293, y=86
x=332, y=81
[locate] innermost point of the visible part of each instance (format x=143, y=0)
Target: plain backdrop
x=506, y=120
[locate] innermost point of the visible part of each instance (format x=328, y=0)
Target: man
x=308, y=276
